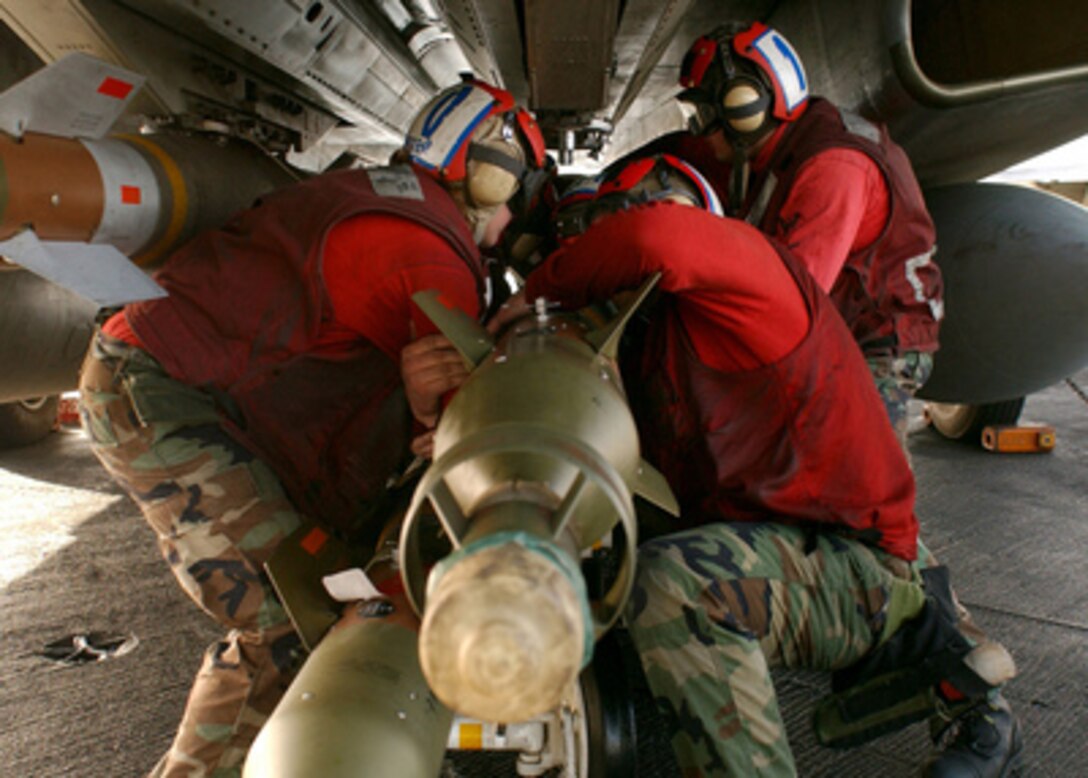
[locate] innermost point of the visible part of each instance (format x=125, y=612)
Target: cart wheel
x=27, y=421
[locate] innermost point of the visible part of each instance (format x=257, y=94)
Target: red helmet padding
x=628, y=178
x=742, y=45
x=633, y=174
x=697, y=60
x=504, y=100
x=457, y=167
x=530, y=130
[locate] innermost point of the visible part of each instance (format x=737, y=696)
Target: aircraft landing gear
x=966, y=422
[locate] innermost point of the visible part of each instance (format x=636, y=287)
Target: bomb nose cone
x=496, y=656
x=503, y=636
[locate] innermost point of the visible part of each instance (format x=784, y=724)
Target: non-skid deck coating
x=76, y=556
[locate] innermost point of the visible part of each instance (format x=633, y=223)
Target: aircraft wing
x=240, y=96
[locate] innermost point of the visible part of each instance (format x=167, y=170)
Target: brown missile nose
x=503, y=636
x=50, y=184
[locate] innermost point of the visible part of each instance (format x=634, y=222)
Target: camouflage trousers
x=715, y=608
x=218, y=512
x=898, y=378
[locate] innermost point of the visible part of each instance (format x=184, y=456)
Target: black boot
x=983, y=742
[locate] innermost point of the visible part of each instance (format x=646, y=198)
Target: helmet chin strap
x=738, y=179
x=744, y=147
x=479, y=219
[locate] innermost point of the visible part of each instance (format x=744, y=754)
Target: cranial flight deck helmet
x=650, y=179
x=740, y=79
x=743, y=80
x=574, y=207
x=482, y=147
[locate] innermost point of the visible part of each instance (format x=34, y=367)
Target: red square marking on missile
x=114, y=87
x=314, y=541
x=130, y=195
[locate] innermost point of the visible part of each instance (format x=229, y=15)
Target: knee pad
x=925, y=666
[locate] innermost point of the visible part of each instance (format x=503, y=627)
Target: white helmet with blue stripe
x=476, y=135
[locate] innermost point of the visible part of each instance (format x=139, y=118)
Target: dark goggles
x=530, y=186
x=700, y=111
x=572, y=222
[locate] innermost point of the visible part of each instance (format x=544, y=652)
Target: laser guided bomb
x=536, y=459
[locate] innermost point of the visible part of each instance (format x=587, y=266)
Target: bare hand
x=430, y=367
x=514, y=308
x=423, y=445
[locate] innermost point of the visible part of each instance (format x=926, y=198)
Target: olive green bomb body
x=359, y=705
x=544, y=404
x=536, y=459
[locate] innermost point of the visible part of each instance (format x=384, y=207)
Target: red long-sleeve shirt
x=837, y=205
x=372, y=265
x=727, y=294
x=750, y=393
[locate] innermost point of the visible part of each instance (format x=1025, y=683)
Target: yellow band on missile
x=179, y=201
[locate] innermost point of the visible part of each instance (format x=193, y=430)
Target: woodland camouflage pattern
x=218, y=513
x=716, y=607
x=898, y=378
x=712, y=610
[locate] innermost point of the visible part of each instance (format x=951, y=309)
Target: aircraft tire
x=27, y=421
x=957, y=421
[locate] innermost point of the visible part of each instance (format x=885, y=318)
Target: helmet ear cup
x=741, y=104
x=489, y=185
x=496, y=163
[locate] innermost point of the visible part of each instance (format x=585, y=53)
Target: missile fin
x=97, y=271
x=607, y=339
x=296, y=569
x=467, y=335
x=651, y=486
x=78, y=96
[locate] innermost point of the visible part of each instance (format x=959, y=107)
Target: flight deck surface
x=77, y=558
